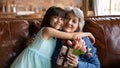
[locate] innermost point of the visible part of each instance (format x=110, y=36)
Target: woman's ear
x=78, y=29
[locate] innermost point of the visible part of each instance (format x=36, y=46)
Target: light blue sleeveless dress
x=36, y=55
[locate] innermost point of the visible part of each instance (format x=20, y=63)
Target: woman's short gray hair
x=79, y=13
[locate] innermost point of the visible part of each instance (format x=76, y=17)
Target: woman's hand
x=72, y=60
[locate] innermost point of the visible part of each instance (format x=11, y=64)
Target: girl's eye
x=62, y=19
x=55, y=17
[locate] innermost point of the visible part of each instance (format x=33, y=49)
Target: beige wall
x=37, y=5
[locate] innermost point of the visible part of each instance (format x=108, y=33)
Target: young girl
x=38, y=54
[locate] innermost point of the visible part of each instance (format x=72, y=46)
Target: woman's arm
x=85, y=64
x=79, y=63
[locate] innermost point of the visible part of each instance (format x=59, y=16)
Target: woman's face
x=56, y=22
x=71, y=23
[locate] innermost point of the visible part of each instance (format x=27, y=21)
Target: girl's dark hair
x=52, y=11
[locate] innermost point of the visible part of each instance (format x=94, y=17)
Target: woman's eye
x=74, y=21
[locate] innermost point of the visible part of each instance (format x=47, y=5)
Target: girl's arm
x=49, y=32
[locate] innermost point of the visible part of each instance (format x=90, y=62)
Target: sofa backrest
x=106, y=30
x=13, y=37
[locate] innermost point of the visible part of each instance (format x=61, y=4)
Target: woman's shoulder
x=85, y=38
x=87, y=41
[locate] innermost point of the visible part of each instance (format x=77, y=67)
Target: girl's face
x=56, y=22
x=71, y=23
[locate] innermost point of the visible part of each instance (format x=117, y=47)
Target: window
x=107, y=7
x=115, y=7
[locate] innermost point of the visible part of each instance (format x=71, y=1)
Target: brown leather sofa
x=106, y=29
x=13, y=37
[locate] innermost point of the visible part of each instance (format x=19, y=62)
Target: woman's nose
x=70, y=22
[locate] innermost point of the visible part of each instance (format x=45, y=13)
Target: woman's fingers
x=72, y=64
x=72, y=60
x=73, y=56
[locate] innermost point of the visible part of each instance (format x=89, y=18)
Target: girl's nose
x=59, y=19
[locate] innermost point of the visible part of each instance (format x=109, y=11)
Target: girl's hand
x=91, y=37
x=77, y=43
x=30, y=40
x=83, y=48
x=72, y=60
x=69, y=42
x=79, y=35
x=80, y=45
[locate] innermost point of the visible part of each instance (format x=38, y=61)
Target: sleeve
x=85, y=61
x=82, y=63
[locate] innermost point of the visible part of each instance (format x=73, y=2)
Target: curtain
x=95, y=5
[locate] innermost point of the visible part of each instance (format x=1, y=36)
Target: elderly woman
x=74, y=21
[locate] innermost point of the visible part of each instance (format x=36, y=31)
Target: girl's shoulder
x=42, y=29
x=45, y=33
x=46, y=28
x=39, y=34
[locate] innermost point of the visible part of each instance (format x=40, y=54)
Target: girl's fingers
x=83, y=48
x=92, y=38
x=69, y=43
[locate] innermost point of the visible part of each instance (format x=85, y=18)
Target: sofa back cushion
x=106, y=30
x=13, y=36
